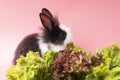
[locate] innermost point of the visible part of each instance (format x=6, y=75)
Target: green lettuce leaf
x=110, y=68
x=31, y=67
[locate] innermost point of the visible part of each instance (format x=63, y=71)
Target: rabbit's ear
x=47, y=12
x=46, y=21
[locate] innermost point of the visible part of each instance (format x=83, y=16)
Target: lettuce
x=31, y=67
x=72, y=63
x=110, y=68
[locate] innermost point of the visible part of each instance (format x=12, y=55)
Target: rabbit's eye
x=62, y=36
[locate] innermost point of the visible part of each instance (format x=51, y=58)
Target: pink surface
x=95, y=24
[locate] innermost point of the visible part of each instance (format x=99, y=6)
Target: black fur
x=28, y=43
x=56, y=36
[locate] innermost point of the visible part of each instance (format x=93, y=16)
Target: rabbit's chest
x=47, y=46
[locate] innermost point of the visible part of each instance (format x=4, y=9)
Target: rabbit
x=55, y=36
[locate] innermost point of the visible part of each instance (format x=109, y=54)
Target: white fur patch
x=57, y=47
x=69, y=34
x=44, y=46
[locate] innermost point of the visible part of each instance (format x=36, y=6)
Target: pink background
x=95, y=24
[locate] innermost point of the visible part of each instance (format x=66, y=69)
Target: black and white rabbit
x=55, y=36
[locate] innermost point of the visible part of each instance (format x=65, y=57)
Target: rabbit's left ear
x=47, y=12
x=46, y=21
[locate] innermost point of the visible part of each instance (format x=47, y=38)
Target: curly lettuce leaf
x=110, y=68
x=31, y=67
x=113, y=53
x=105, y=65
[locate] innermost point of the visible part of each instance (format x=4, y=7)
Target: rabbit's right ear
x=47, y=12
x=46, y=21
